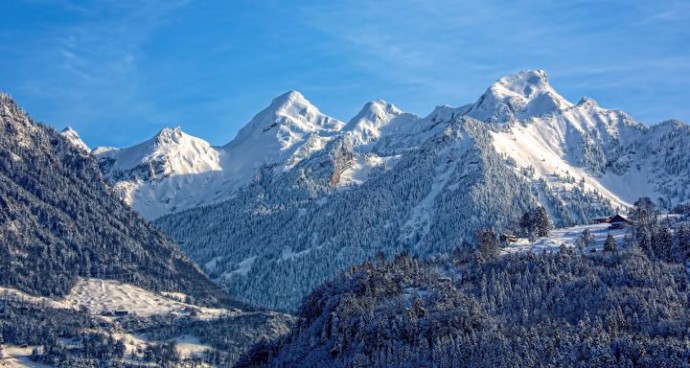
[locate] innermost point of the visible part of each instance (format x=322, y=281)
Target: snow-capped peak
x=525, y=83
x=290, y=98
x=375, y=109
x=374, y=117
x=518, y=96
x=278, y=131
x=589, y=102
x=170, y=136
x=288, y=118
x=149, y=175
x=183, y=153
x=74, y=138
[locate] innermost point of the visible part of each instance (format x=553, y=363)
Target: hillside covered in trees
x=626, y=306
x=59, y=221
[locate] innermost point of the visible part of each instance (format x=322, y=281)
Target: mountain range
x=298, y=196
x=82, y=273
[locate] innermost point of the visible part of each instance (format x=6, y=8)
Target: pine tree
x=610, y=245
x=527, y=225
x=542, y=222
x=663, y=243
x=644, y=212
x=487, y=243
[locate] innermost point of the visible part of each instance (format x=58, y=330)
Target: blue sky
x=120, y=70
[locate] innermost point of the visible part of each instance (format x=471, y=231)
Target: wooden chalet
x=615, y=219
x=618, y=219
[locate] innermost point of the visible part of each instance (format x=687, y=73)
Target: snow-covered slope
x=106, y=296
x=562, y=151
x=519, y=96
x=599, y=150
x=175, y=171
x=169, y=172
x=291, y=128
x=389, y=181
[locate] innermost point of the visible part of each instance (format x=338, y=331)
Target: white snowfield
x=108, y=296
x=17, y=357
x=187, y=346
x=530, y=149
x=103, y=296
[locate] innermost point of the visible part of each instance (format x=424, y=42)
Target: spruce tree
x=610, y=245
x=542, y=222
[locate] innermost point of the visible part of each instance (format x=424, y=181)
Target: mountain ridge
x=292, y=128
x=276, y=224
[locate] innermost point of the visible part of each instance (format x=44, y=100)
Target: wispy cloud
x=420, y=42
x=452, y=49
x=144, y=63
x=91, y=64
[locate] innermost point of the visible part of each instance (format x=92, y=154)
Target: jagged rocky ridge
x=298, y=196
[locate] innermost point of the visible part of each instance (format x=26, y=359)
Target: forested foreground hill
x=59, y=220
x=613, y=309
x=71, y=254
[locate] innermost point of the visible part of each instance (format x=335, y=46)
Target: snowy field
x=189, y=346
x=16, y=356
x=568, y=236
x=102, y=296
x=99, y=296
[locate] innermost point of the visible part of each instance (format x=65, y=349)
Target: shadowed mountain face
x=59, y=220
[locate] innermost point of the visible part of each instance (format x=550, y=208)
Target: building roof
x=618, y=218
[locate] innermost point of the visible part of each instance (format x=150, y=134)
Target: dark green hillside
x=59, y=220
